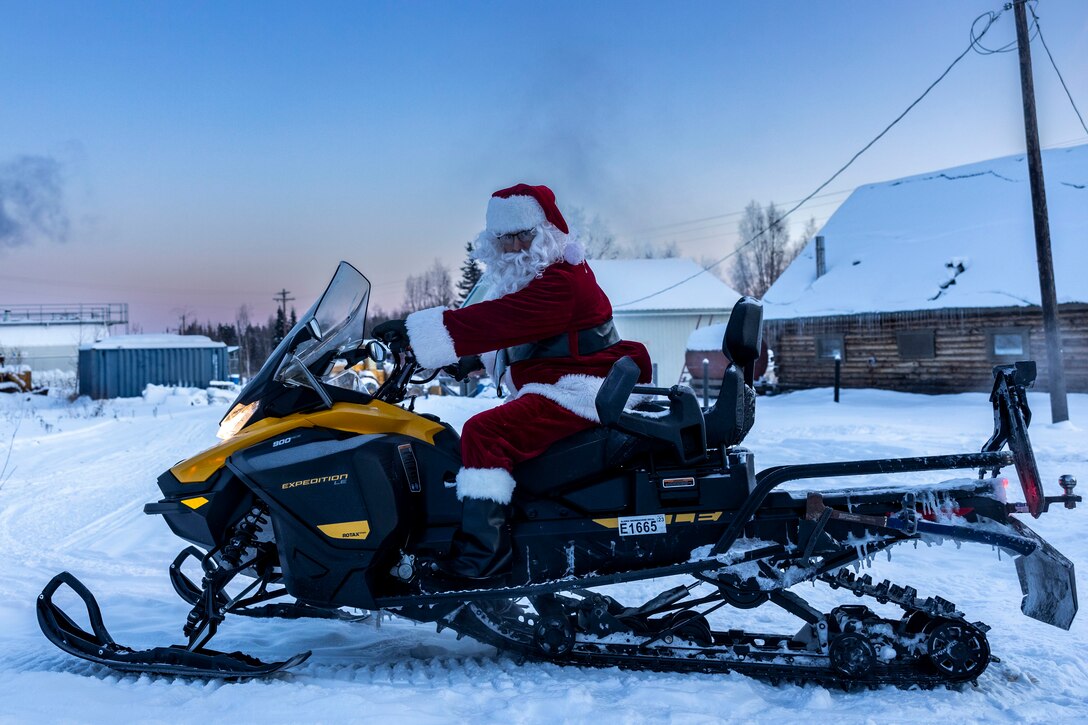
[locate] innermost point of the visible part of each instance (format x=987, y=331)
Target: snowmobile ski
x=176, y=660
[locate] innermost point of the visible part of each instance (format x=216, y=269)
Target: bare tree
x=431, y=288
x=765, y=250
x=807, y=234
x=652, y=250
x=242, y=325
x=600, y=243
x=375, y=316
x=595, y=236
x=709, y=263
x=6, y=474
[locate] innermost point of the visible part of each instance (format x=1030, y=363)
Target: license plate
x=642, y=525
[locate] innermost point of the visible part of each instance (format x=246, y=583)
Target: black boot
x=481, y=547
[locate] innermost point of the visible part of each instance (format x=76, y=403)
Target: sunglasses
x=524, y=236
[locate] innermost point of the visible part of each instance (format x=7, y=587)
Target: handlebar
x=405, y=367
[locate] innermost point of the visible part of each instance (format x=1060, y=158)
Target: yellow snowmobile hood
x=375, y=417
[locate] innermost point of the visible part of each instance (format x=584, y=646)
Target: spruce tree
x=471, y=271
x=279, y=328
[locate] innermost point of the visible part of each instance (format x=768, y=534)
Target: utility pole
x=183, y=314
x=283, y=299
x=1059, y=405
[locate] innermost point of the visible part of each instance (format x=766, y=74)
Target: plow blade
x=176, y=660
x=1047, y=581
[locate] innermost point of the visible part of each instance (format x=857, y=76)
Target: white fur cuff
x=492, y=484
x=430, y=339
x=513, y=214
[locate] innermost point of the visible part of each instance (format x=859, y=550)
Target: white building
x=647, y=307
x=48, y=337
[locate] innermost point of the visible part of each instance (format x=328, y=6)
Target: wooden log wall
x=962, y=342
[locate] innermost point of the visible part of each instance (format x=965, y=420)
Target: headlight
x=236, y=418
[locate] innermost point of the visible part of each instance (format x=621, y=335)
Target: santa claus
x=546, y=329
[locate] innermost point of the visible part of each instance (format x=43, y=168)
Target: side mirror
x=376, y=351
x=315, y=328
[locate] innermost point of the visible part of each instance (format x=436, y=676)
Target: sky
x=194, y=157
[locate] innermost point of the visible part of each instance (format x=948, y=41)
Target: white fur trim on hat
x=513, y=214
x=576, y=393
x=430, y=339
x=491, y=484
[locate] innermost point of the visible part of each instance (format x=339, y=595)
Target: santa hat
x=522, y=207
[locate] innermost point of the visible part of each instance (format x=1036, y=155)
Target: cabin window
x=1009, y=344
x=916, y=345
x=830, y=347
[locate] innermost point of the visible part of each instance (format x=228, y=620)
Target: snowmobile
x=323, y=499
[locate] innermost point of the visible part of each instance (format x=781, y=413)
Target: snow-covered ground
x=78, y=474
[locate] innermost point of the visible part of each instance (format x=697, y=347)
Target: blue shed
x=122, y=366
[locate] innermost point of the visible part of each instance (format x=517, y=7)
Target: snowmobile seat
x=679, y=427
x=621, y=435
x=733, y=413
x=576, y=457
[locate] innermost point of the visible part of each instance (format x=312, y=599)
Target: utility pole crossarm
x=283, y=299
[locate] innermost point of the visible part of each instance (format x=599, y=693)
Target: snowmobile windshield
x=479, y=292
x=333, y=324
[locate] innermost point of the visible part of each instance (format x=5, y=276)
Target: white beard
x=508, y=272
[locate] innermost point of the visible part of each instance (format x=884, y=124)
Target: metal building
x=122, y=366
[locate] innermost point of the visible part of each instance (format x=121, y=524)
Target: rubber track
x=516, y=638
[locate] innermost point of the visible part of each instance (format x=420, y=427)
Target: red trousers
x=516, y=431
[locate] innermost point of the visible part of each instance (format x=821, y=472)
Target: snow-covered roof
x=896, y=246
x=154, y=342
x=707, y=338
x=627, y=280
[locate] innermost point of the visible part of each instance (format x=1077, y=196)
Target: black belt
x=591, y=340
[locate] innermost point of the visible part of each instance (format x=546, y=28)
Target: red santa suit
x=553, y=396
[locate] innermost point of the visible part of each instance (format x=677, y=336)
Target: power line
x=724, y=237
x=1039, y=32
x=725, y=214
x=677, y=236
x=991, y=18
x=1007, y=47
x=1066, y=144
